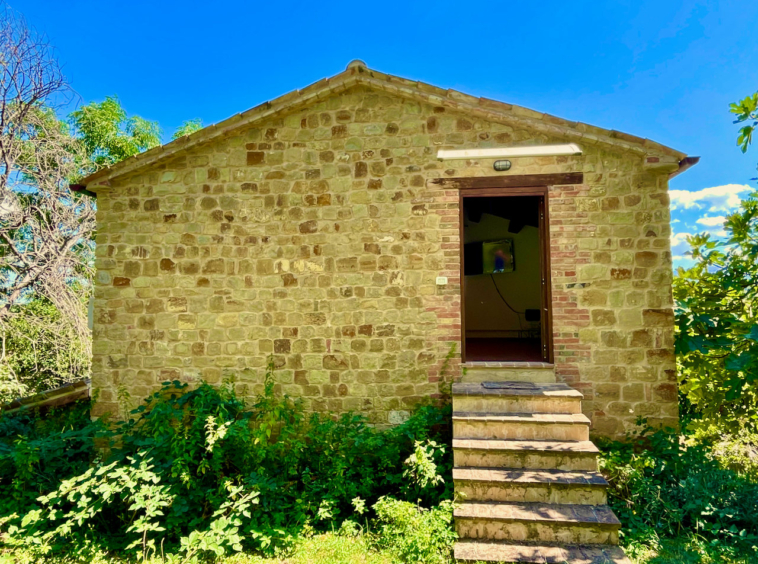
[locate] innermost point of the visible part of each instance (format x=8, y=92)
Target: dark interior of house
x=503, y=292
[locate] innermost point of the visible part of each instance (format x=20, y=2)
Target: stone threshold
x=505, y=365
x=518, y=389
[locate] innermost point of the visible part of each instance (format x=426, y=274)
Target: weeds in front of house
x=680, y=495
x=194, y=474
x=324, y=548
x=197, y=475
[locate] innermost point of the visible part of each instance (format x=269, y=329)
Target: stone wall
x=317, y=238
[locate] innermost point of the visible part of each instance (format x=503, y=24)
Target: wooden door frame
x=544, y=231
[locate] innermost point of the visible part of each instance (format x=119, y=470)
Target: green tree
x=39, y=350
x=188, y=127
x=109, y=134
x=717, y=312
x=45, y=229
x=717, y=322
x=746, y=110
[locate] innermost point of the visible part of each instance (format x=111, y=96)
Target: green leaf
x=753, y=334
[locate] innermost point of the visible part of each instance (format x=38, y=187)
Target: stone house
x=361, y=227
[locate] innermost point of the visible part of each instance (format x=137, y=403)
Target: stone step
x=508, y=372
x=530, y=486
x=522, y=426
x=538, y=455
x=478, y=551
x=516, y=397
x=537, y=522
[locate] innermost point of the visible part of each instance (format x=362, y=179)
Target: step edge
x=543, y=519
x=558, y=522
x=530, y=484
x=519, y=418
x=615, y=553
x=572, y=395
x=536, y=442
x=526, y=483
x=518, y=383
x=498, y=447
x=593, y=473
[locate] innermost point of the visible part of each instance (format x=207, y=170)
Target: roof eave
x=358, y=73
x=685, y=164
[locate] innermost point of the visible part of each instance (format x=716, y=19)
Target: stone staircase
x=526, y=472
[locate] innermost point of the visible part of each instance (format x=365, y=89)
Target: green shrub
x=663, y=486
x=414, y=533
x=197, y=472
x=36, y=453
x=40, y=349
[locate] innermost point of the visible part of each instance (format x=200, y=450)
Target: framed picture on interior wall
x=497, y=256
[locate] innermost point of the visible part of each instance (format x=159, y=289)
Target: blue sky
x=661, y=69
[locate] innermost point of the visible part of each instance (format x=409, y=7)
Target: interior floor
x=503, y=350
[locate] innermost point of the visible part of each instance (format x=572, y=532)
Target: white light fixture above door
x=504, y=152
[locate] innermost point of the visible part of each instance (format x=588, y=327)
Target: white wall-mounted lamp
x=504, y=152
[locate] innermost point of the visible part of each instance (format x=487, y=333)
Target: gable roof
x=357, y=73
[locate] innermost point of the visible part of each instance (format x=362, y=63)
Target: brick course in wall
x=315, y=236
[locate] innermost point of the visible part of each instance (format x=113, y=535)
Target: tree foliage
x=188, y=127
x=717, y=312
x=746, y=111
x=45, y=229
x=717, y=322
x=39, y=351
x=109, y=134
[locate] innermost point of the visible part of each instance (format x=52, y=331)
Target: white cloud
x=682, y=260
x=715, y=199
x=679, y=238
x=679, y=244
x=676, y=221
x=712, y=221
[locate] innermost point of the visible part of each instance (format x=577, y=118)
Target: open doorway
x=506, y=315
